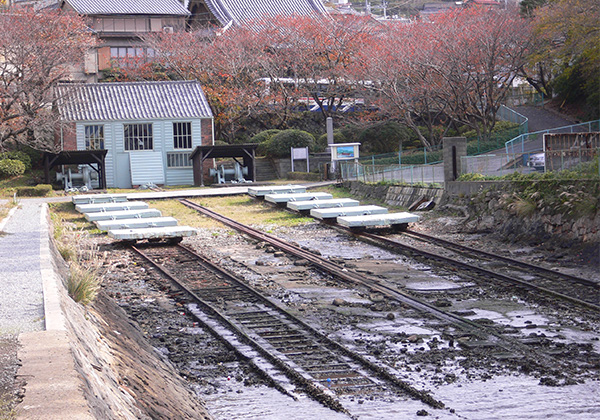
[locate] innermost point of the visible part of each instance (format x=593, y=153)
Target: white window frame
x=179, y=160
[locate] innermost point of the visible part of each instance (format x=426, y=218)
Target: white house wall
x=143, y=166
x=145, y=170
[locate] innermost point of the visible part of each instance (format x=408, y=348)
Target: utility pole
x=367, y=7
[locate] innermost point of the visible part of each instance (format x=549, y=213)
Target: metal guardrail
x=507, y=114
x=499, y=164
x=513, y=146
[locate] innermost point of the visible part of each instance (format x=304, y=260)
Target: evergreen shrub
x=280, y=144
x=11, y=167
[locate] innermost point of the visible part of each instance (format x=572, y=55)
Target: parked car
x=537, y=161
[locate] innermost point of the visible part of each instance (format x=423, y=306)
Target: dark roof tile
x=132, y=101
x=246, y=11
x=128, y=7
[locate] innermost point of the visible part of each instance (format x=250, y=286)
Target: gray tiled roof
x=128, y=7
x=244, y=11
x=132, y=101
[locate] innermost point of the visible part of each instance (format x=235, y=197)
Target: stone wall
x=496, y=207
x=516, y=213
x=316, y=161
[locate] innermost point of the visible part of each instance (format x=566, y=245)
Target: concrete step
x=332, y=213
x=128, y=205
x=285, y=198
x=374, y=220
x=122, y=214
x=136, y=223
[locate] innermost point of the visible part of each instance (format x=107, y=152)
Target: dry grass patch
x=83, y=283
x=5, y=208
x=247, y=210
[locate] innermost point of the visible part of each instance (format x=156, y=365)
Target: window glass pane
x=179, y=160
x=94, y=137
x=182, y=135
x=138, y=136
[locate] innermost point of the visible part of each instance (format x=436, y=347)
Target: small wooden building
x=149, y=129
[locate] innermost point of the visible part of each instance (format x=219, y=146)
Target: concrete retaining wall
x=394, y=195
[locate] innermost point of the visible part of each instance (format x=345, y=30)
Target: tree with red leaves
x=456, y=67
x=36, y=50
x=271, y=67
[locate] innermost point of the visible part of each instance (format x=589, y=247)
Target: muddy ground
x=171, y=364
x=417, y=349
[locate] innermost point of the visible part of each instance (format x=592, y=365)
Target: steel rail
x=471, y=327
x=317, y=393
x=394, y=245
x=321, y=338
x=508, y=260
x=333, y=268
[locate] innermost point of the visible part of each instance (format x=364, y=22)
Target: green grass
x=7, y=410
x=5, y=208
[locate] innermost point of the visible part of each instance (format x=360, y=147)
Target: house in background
x=149, y=129
x=119, y=24
x=227, y=13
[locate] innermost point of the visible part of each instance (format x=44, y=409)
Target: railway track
x=582, y=292
x=480, y=335
x=308, y=358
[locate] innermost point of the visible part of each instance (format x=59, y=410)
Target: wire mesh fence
x=499, y=164
x=411, y=174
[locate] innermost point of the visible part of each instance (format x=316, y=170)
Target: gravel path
x=21, y=293
x=21, y=300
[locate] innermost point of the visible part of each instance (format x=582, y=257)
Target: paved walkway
x=30, y=308
x=542, y=118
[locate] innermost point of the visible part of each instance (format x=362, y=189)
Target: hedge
x=40, y=190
